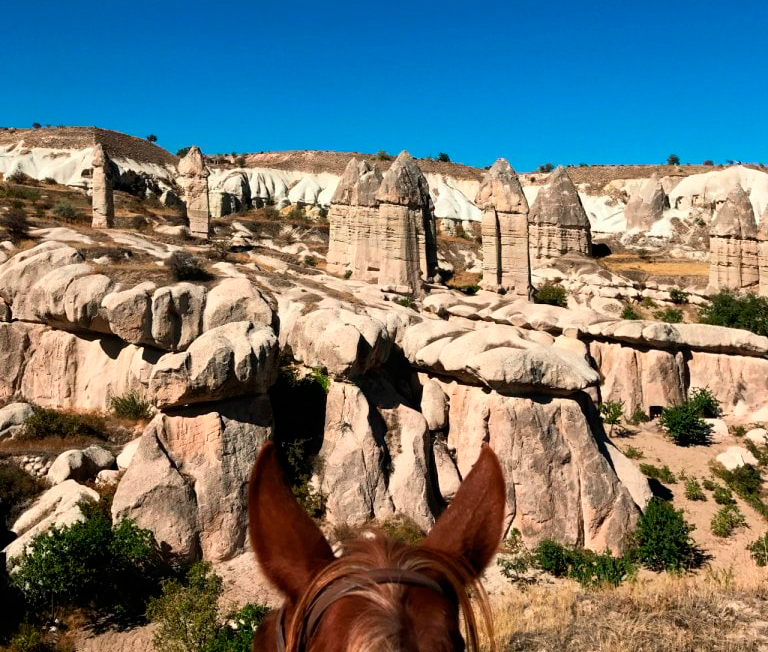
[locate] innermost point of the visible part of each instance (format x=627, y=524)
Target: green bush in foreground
x=704, y=403
x=723, y=496
x=131, y=406
x=551, y=294
x=749, y=312
x=663, y=540
x=45, y=422
x=662, y=474
x=612, y=412
x=588, y=568
x=693, y=490
x=629, y=313
x=759, y=550
x=684, y=425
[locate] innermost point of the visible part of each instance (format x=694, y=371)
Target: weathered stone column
x=102, y=199
x=506, y=262
x=194, y=181
x=733, y=246
x=762, y=254
x=558, y=223
x=353, y=217
x=408, y=227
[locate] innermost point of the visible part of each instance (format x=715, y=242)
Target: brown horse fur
x=296, y=558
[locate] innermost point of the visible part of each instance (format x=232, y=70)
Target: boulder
x=79, y=465
x=343, y=342
x=448, y=478
x=19, y=274
x=177, y=315
x=231, y=360
x=126, y=455
x=236, y=299
x=630, y=476
x=129, y=313
x=193, y=178
x=758, y=436
x=735, y=457
x=108, y=477
x=57, y=507
x=12, y=418
x=434, y=405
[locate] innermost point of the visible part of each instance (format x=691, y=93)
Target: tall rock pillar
x=506, y=262
x=408, y=235
x=355, y=238
x=194, y=181
x=558, y=223
x=733, y=245
x=103, y=203
x=762, y=254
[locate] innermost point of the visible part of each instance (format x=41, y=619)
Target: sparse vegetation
x=18, y=177
x=663, y=539
x=183, y=151
x=629, y=312
x=545, y=167
x=638, y=416
x=669, y=315
x=551, y=294
x=45, y=422
x=633, y=453
x=749, y=312
x=406, y=302
x=347, y=274
x=402, y=528
x=63, y=210
x=517, y=559
x=310, y=261
x=726, y=520
x=647, y=302
x=131, y=406
x=678, y=296
x=737, y=431
x=723, y=496
x=693, y=490
x=662, y=474
x=704, y=403
x=17, y=488
x=185, y=267
x=15, y=224
x=759, y=550
x=612, y=412
x=588, y=568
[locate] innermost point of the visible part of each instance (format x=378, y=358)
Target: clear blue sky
x=566, y=82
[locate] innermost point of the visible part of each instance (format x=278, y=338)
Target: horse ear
x=471, y=526
x=289, y=546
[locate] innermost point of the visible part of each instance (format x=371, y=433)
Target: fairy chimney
x=354, y=225
x=193, y=178
x=504, y=228
x=762, y=254
x=557, y=221
x=733, y=246
x=103, y=204
x=408, y=236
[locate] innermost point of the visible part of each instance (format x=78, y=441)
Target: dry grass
x=703, y=613
x=655, y=268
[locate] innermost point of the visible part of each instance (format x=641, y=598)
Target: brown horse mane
x=377, y=628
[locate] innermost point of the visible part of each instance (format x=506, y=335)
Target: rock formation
x=645, y=207
x=506, y=263
x=354, y=225
x=102, y=199
x=408, y=238
x=733, y=244
x=194, y=180
x=558, y=222
x=762, y=254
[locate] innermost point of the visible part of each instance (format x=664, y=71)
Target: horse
x=381, y=595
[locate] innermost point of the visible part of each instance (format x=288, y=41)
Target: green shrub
x=704, y=402
x=469, y=290
x=709, y=484
x=443, y=157
x=347, y=273
x=678, y=296
x=669, y=315
x=131, y=406
x=271, y=213
x=50, y=181
x=611, y=411
x=663, y=540
x=17, y=488
x=693, y=490
x=20, y=192
x=236, y=634
x=585, y=566
x=187, y=616
x=726, y=520
x=723, y=496
x=517, y=559
x=629, y=313
x=185, y=267
x=737, y=431
x=63, y=210
x=297, y=213
x=638, y=416
x=684, y=425
x=89, y=565
x=647, y=302
x=19, y=177
x=15, y=224
x=744, y=480
x=406, y=302
x=320, y=376
x=662, y=474
x=633, y=453
x=759, y=550
x=401, y=528
x=310, y=261
x=728, y=309
x=551, y=294
x=29, y=638
x=44, y=422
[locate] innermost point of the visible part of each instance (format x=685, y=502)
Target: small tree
x=36, y=125
x=183, y=152
x=546, y=167
x=16, y=225
x=673, y=159
x=152, y=138
x=708, y=162
x=443, y=157
x=663, y=538
x=684, y=424
x=551, y=294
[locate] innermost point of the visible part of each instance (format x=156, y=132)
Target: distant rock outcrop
x=194, y=180
x=733, y=244
x=506, y=262
x=102, y=198
x=647, y=205
x=408, y=227
x=558, y=222
x=354, y=225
